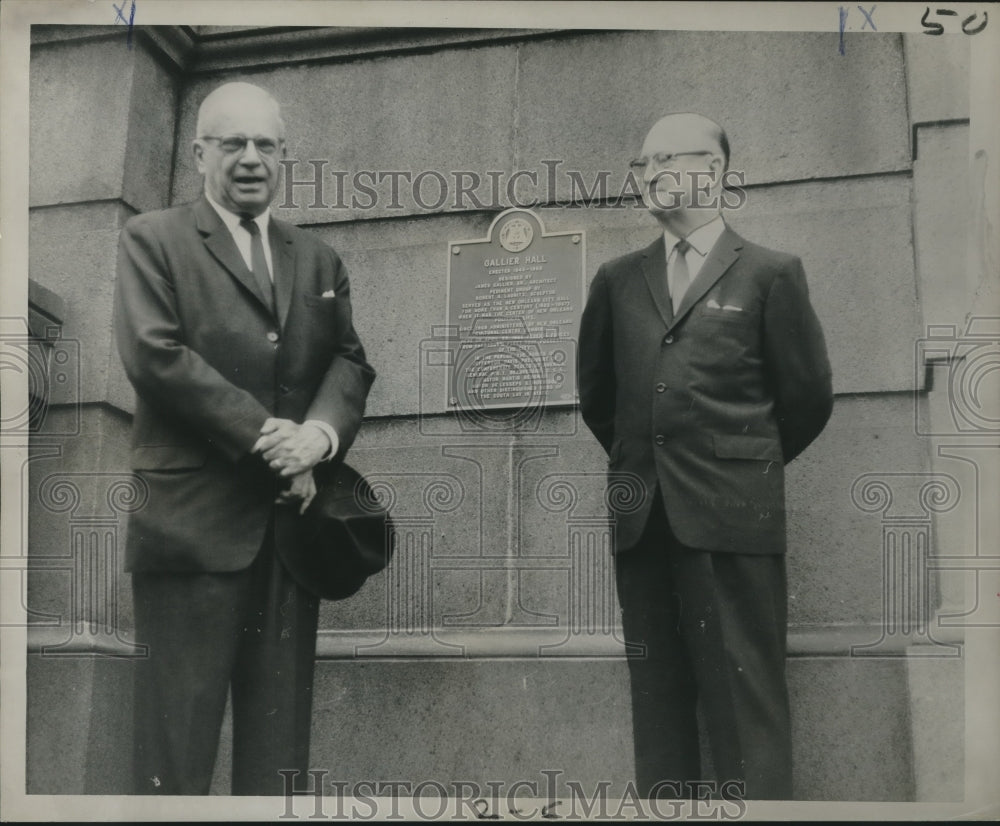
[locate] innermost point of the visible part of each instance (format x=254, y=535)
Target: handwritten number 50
x=933, y=27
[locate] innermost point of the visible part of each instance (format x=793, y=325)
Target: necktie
x=258, y=261
x=679, y=279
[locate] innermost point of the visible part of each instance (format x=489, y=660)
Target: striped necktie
x=259, y=261
x=678, y=277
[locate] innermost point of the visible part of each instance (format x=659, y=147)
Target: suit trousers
x=252, y=632
x=705, y=628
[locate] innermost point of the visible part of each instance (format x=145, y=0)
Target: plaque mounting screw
x=456, y=250
x=576, y=239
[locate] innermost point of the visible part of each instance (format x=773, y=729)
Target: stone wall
x=473, y=656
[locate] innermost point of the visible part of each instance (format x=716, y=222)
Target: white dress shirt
x=243, y=244
x=701, y=240
x=243, y=238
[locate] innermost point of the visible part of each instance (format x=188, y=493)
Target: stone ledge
x=526, y=644
x=246, y=50
x=205, y=49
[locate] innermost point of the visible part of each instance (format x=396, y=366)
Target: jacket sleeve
x=163, y=369
x=595, y=363
x=340, y=398
x=797, y=362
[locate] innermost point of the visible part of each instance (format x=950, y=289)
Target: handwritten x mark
x=120, y=16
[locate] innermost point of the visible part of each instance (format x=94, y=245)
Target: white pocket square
x=329, y=294
x=713, y=304
x=732, y=308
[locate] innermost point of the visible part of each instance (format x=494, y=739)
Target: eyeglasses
x=662, y=159
x=233, y=144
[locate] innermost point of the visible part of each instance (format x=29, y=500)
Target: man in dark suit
x=235, y=330
x=703, y=371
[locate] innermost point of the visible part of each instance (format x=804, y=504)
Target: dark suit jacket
x=709, y=404
x=209, y=363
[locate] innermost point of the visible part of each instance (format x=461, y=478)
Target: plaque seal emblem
x=516, y=234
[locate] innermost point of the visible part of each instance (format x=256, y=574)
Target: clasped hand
x=292, y=450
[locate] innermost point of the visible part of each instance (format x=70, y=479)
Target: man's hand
x=289, y=448
x=302, y=489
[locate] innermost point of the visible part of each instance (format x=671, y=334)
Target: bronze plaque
x=514, y=305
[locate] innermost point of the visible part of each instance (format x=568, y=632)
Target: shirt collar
x=701, y=240
x=232, y=220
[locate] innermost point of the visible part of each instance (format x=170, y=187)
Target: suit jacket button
x=668, y=339
x=272, y=336
x=659, y=439
x=660, y=387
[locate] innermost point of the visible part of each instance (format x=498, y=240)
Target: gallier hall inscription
x=514, y=304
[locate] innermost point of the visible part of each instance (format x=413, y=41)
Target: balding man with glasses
x=703, y=371
x=236, y=331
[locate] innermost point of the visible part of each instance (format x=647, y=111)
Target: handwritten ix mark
x=120, y=18
x=843, y=12
x=868, y=17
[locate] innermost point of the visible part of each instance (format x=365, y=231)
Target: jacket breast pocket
x=321, y=301
x=168, y=457
x=723, y=345
x=715, y=315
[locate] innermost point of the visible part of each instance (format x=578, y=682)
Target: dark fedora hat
x=345, y=536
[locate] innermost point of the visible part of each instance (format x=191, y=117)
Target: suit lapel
x=221, y=245
x=283, y=261
x=654, y=267
x=720, y=259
